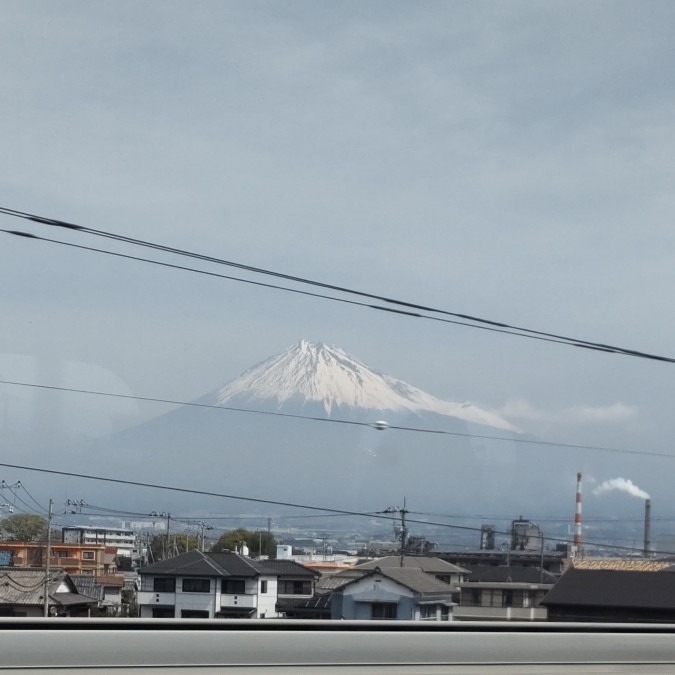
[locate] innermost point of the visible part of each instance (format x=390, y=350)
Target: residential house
x=22, y=594
x=392, y=593
x=295, y=585
x=622, y=594
x=106, y=589
x=72, y=558
x=440, y=569
x=503, y=593
x=501, y=601
x=207, y=585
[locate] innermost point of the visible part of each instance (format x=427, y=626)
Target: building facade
x=72, y=558
x=198, y=585
x=113, y=537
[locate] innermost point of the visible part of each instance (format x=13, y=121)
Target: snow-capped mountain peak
x=313, y=372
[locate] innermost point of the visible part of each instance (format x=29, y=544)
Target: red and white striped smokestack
x=577, y=517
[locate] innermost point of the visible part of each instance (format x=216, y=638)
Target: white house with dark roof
x=406, y=594
x=208, y=586
x=435, y=567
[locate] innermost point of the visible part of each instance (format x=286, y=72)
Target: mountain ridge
x=317, y=373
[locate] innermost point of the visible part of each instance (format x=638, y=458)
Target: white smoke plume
x=623, y=485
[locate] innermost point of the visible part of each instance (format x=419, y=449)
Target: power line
x=258, y=500
x=440, y=432
x=5, y=485
x=409, y=308
x=292, y=290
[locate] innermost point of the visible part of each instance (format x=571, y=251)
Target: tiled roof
x=191, y=564
x=331, y=583
x=429, y=564
x=417, y=580
x=290, y=568
x=86, y=584
x=236, y=565
x=198, y=564
x=613, y=588
x=412, y=578
x=625, y=565
x=25, y=587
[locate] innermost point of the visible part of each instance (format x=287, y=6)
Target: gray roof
x=236, y=565
x=19, y=586
x=518, y=574
x=613, y=588
x=412, y=578
x=429, y=564
x=86, y=585
x=332, y=582
x=198, y=564
x=190, y=564
x=290, y=568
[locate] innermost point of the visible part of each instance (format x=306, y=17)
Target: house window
x=87, y=555
x=62, y=554
x=383, y=610
x=196, y=586
x=233, y=586
x=164, y=585
x=475, y=597
x=507, y=599
x=295, y=588
x=163, y=612
x=263, y=587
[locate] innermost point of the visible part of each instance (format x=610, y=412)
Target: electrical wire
x=258, y=500
x=301, y=292
x=408, y=306
x=4, y=485
x=441, y=432
x=42, y=508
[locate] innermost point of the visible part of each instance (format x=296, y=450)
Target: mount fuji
x=326, y=379
x=222, y=443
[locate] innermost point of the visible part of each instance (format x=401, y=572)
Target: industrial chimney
x=577, y=518
x=648, y=514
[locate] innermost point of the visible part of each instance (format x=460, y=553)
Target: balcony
x=247, y=601
x=152, y=598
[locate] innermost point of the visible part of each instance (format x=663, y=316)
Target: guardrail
x=209, y=646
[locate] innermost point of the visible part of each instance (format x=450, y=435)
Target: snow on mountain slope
x=325, y=374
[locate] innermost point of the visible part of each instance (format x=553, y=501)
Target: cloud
x=615, y=413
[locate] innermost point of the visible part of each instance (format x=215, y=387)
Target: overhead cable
x=394, y=427
x=258, y=500
x=409, y=308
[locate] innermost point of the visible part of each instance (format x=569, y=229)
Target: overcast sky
x=512, y=160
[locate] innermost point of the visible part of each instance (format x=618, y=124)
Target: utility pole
x=401, y=510
x=45, y=590
x=168, y=532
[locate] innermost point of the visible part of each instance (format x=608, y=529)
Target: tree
x=24, y=527
x=259, y=542
x=178, y=543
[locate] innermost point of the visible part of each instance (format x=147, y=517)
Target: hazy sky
x=512, y=160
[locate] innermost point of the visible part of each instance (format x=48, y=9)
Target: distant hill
x=328, y=463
